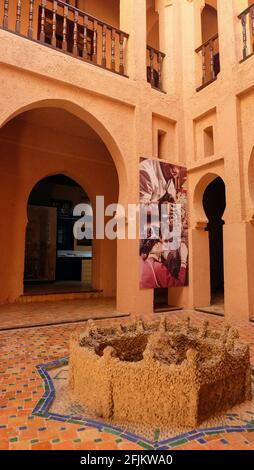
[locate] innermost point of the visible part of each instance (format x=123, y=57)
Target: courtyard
x=27, y=391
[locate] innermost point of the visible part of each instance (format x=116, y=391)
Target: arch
x=251, y=176
x=209, y=21
x=69, y=173
x=12, y=268
x=212, y=4
x=43, y=261
x=203, y=183
x=95, y=124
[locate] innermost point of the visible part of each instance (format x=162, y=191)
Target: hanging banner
x=163, y=224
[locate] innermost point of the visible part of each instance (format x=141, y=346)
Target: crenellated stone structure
x=158, y=372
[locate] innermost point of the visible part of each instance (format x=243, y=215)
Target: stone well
x=159, y=373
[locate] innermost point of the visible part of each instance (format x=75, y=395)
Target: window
x=208, y=142
x=162, y=144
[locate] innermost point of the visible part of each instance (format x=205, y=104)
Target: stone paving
x=22, y=388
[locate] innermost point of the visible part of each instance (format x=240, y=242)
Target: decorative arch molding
x=200, y=216
x=251, y=181
x=75, y=176
x=96, y=124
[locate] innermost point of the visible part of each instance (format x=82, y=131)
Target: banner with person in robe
x=163, y=224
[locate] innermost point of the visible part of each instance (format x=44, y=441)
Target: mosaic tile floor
x=26, y=422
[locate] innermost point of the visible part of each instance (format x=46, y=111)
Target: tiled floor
x=47, y=313
x=56, y=287
x=21, y=387
x=216, y=307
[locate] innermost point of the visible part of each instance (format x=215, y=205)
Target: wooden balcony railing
x=210, y=60
x=247, y=21
x=66, y=28
x=154, y=67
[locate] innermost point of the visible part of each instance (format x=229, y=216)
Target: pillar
x=168, y=31
x=130, y=298
x=133, y=21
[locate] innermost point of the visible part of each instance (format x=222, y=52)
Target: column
x=133, y=21
x=168, y=32
x=191, y=38
x=130, y=298
x=234, y=230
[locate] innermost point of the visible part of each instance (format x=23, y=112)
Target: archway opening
x=210, y=42
x=55, y=261
x=209, y=21
x=214, y=203
x=49, y=156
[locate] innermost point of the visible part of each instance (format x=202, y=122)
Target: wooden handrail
x=156, y=51
x=154, y=70
x=69, y=29
x=247, y=21
x=246, y=11
x=206, y=43
x=210, y=61
x=90, y=17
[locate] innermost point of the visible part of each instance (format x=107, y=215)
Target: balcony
x=209, y=51
x=247, y=21
x=154, y=67
x=68, y=29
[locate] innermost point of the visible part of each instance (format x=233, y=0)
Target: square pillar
x=236, y=264
x=133, y=21
x=199, y=273
x=130, y=298
x=168, y=31
x=191, y=38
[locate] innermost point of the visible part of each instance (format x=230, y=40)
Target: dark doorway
x=160, y=299
x=214, y=203
x=54, y=260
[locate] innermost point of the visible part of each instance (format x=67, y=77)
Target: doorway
x=214, y=203
x=55, y=261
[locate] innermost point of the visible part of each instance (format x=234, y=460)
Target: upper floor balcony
x=209, y=63
x=247, y=22
x=89, y=30
x=209, y=49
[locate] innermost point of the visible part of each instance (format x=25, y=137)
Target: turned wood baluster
x=42, y=33
x=243, y=20
x=113, y=49
x=94, y=57
x=203, y=65
x=159, y=60
x=104, y=46
x=121, y=53
x=75, y=35
x=53, y=39
x=85, y=53
x=31, y=19
x=6, y=14
x=152, y=66
x=18, y=17
x=252, y=26
x=211, y=48
x=65, y=17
